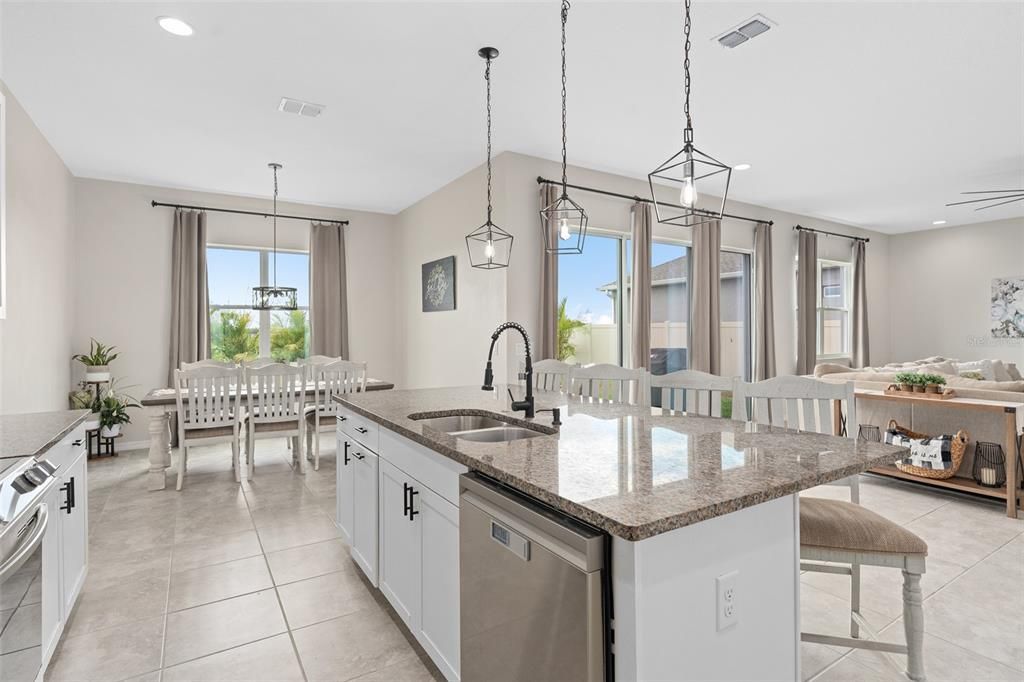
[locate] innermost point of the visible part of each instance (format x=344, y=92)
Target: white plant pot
x=97, y=373
x=111, y=431
x=92, y=421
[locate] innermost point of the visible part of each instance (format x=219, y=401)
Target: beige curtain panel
x=328, y=296
x=764, y=306
x=640, y=292
x=190, y=305
x=705, y=298
x=547, y=343
x=861, y=351
x=807, y=302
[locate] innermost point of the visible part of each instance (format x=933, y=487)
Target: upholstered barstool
x=843, y=533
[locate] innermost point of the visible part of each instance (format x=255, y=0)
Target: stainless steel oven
x=23, y=523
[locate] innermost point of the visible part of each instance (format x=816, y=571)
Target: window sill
x=834, y=358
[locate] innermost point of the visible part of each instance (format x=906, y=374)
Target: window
x=833, y=308
x=237, y=332
x=594, y=313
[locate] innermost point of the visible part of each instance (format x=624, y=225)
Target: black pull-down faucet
x=525, y=405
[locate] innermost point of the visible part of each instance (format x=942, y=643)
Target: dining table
x=161, y=403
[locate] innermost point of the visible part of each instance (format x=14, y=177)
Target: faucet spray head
x=488, y=378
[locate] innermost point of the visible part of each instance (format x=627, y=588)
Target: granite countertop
x=29, y=435
x=634, y=472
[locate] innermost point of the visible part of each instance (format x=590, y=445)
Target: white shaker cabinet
x=346, y=487
x=364, y=513
x=72, y=514
x=399, y=544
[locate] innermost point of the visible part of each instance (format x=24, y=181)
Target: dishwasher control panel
x=511, y=540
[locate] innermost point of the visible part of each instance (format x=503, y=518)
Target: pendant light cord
x=565, y=16
x=275, y=227
x=487, y=77
x=686, y=66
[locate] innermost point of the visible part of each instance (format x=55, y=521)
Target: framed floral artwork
x=439, y=285
x=1008, y=308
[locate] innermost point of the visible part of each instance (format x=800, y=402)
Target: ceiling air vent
x=744, y=31
x=297, y=106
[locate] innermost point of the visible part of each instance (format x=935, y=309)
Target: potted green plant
x=933, y=383
x=114, y=413
x=906, y=381
x=97, y=361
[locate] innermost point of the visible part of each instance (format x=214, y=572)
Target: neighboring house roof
x=676, y=270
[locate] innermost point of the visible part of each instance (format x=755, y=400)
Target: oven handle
x=20, y=555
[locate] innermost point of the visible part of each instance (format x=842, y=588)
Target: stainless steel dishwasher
x=531, y=589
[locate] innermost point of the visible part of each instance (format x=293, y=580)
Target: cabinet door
x=399, y=544
x=345, y=488
x=439, y=547
x=363, y=464
x=52, y=593
x=72, y=514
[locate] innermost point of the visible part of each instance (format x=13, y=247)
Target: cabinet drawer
x=67, y=450
x=359, y=428
x=435, y=471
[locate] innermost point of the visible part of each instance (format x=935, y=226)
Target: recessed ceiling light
x=174, y=26
x=938, y=222
x=741, y=167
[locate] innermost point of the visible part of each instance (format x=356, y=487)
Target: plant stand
x=100, y=446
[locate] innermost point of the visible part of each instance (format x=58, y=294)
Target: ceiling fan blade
x=975, y=201
x=982, y=208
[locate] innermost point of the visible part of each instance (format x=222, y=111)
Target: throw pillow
x=961, y=382
x=936, y=368
x=977, y=376
x=999, y=370
x=1011, y=368
x=983, y=366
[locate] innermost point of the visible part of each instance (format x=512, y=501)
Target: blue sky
x=580, y=275
x=232, y=273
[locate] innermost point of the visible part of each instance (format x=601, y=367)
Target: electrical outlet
x=727, y=600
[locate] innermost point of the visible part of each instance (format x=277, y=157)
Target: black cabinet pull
x=346, y=454
x=405, y=499
x=412, y=507
x=358, y=455
x=69, y=496
x=77, y=443
x=342, y=418
x=360, y=429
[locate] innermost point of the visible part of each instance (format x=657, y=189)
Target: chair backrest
x=798, y=403
x=334, y=379
x=277, y=392
x=552, y=375
x=208, y=363
x=256, y=363
x=611, y=383
x=695, y=392
x=206, y=397
x=314, y=361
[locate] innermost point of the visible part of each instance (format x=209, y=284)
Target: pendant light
x=489, y=246
x=274, y=297
x=690, y=170
x=565, y=217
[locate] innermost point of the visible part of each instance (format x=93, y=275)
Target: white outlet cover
x=727, y=600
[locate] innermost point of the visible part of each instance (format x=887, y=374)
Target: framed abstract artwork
x=1008, y=308
x=439, y=285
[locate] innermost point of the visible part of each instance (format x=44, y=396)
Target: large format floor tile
x=220, y=581
x=308, y=561
x=128, y=601
x=111, y=654
x=215, y=550
x=325, y=597
x=270, y=660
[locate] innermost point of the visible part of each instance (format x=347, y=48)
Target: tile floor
x=229, y=582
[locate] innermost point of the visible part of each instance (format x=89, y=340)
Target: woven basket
x=956, y=454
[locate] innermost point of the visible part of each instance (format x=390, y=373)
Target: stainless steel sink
x=500, y=434
x=480, y=428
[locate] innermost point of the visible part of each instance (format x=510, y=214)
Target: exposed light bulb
x=563, y=229
x=688, y=194
x=489, y=250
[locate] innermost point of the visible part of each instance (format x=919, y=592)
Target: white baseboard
x=133, y=445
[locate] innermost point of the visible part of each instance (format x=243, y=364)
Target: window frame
x=264, y=315
x=846, y=268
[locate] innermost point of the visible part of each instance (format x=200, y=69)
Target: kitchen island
x=685, y=501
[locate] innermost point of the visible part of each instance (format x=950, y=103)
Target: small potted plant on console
x=933, y=383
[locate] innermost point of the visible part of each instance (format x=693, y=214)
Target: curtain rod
x=831, y=234
x=328, y=221
x=545, y=181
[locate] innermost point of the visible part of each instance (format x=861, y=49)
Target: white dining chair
x=552, y=375
x=257, y=363
x=208, y=412
x=688, y=390
x=276, y=405
x=209, y=363
x=611, y=383
x=329, y=381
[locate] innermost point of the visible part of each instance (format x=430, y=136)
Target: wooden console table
x=1013, y=418
x=161, y=403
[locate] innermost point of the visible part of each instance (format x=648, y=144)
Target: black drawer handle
x=77, y=443
x=360, y=429
x=69, y=496
x=346, y=453
x=342, y=418
x=358, y=455
x=409, y=510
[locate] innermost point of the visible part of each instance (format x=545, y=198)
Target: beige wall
x=448, y=348
x=942, y=286
x=35, y=337
x=123, y=263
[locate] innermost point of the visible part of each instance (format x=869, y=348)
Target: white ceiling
x=873, y=114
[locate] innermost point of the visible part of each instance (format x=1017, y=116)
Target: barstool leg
x=854, y=599
x=913, y=625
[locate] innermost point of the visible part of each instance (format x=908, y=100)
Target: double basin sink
x=480, y=428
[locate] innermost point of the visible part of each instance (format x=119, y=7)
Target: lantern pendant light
x=274, y=297
x=690, y=170
x=489, y=246
x=563, y=223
